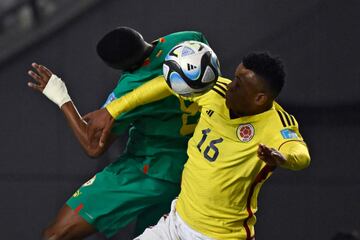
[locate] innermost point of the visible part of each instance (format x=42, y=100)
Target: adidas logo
x=190, y=67
x=210, y=112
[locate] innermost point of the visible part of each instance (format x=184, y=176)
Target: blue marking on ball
x=193, y=74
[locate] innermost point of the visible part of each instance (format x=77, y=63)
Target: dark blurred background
x=42, y=164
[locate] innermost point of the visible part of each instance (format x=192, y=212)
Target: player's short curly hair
x=270, y=68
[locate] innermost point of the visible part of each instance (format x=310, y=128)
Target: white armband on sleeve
x=56, y=91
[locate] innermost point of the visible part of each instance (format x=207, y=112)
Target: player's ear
x=261, y=99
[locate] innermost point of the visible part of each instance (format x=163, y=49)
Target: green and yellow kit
x=145, y=178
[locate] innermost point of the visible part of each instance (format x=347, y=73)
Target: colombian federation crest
x=245, y=132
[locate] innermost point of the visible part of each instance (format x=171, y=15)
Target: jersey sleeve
x=129, y=102
x=190, y=35
x=119, y=126
x=149, y=92
x=155, y=89
x=296, y=154
x=290, y=143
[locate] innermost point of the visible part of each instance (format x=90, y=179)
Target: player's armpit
x=296, y=154
x=151, y=91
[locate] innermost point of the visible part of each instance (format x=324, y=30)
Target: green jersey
x=159, y=131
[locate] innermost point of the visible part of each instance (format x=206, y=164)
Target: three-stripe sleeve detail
x=286, y=119
x=219, y=92
x=220, y=88
x=281, y=118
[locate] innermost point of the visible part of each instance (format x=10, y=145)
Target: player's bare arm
x=99, y=121
x=79, y=126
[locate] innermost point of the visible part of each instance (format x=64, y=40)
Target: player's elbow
x=93, y=152
x=299, y=162
x=305, y=163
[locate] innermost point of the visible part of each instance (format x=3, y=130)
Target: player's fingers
x=260, y=152
x=40, y=70
x=275, y=154
x=267, y=150
x=261, y=147
x=87, y=117
x=104, y=135
x=36, y=66
x=35, y=86
x=278, y=157
x=35, y=76
x=262, y=157
x=91, y=131
x=46, y=70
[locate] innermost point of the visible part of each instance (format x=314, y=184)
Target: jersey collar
x=249, y=119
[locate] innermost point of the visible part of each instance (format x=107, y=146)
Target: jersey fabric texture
x=223, y=175
x=145, y=178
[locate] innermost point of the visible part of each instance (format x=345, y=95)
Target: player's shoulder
x=184, y=34
x=216, y=95
x=285, y=119
x=129, y=81
x=281, y=125
x=178, y=37
x=220, y=87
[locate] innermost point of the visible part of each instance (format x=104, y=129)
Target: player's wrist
x=112, y=109
x=56, y=91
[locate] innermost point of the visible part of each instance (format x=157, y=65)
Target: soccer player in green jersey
x=145, y=178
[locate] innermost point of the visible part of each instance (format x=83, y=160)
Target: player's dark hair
x=270, y=68
x=123, y=48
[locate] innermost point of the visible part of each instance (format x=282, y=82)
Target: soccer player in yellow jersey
x=241, y=138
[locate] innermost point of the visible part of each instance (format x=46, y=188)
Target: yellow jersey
x=223, y=175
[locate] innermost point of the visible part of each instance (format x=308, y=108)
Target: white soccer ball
x=191, y=68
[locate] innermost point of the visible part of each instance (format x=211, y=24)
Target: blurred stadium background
x=42, y=164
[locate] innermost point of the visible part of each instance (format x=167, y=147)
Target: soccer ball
x=191, y=68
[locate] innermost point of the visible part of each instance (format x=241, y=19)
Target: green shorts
x=119, y=194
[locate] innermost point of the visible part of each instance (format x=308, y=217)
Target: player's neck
x=260, y=110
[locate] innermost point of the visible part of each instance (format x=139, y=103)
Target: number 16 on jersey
x=215, y=151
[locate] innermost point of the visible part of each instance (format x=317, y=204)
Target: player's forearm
x=151, y=91
x=296, y=154
x=79, y=128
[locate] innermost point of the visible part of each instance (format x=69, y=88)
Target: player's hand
x=41, y=75
x=270, y=155
x=99, y=120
